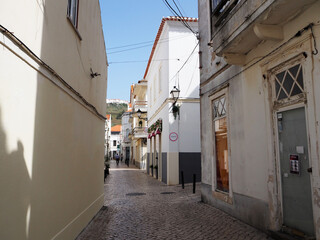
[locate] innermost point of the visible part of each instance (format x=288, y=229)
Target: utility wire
x=184, y=63
x=143, y=46
x=181, y=15
x=137, y=61
x=177, y=15
x=135, y=44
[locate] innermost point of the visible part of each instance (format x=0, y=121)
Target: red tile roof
x=116, y=128
x=164, y=19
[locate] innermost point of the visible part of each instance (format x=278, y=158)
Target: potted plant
x=175, y=110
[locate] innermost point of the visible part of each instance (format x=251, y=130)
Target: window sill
x=222, y=196
x=75, y=29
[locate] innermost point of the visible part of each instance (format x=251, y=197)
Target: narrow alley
x=138, y=206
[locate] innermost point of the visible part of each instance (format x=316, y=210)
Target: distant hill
x=116, y=110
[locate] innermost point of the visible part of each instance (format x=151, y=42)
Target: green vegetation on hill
x=116, y=110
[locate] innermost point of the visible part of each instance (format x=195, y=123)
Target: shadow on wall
x=15, y=185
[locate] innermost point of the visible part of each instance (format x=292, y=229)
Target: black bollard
x=182, y=180
x=194, y=183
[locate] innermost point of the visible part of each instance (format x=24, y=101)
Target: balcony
x=140, y=132
x=142, y=105
x=238, y=26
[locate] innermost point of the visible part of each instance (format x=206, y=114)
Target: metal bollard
x=194, y=183
x=182, y=180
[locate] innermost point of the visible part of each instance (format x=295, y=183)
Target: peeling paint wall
x=254, y=168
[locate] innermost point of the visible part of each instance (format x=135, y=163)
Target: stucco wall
x=253, y=165
x=52, y=145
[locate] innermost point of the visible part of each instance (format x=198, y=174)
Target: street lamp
x=175, y=92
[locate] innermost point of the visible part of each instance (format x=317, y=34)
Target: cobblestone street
x=138, y=206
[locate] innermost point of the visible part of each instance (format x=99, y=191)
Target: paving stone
x=158, y=216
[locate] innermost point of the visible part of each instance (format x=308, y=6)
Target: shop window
x=221, y=144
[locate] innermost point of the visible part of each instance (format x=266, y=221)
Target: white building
x=107, y=135
x=260, y=95
x=139, y=123
x=115, y=140
x=126, y=130
x=174, y=143
x=53, y=80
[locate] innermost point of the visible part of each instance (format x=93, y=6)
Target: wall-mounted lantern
x=175, y=92
x=139, y=113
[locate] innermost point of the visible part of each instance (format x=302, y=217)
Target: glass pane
x=300, y=79
x=288, y=82
x=294, y=70
x=215, y=3
x=280, y=76
x=282, y=95
x=296, y=90
x=222, y=164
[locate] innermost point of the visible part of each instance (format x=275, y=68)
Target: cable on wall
x=27, y=50
x=298, y=34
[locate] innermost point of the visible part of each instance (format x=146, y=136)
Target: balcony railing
x=142, y=105
x=140, y=132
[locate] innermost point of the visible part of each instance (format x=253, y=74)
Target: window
x=154, y=88
x=73, y=10
x=221, y=143
x=114, y=143
x=159, y=79
x=289, y=83
x=220, y=10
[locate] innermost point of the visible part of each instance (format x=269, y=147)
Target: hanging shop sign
x=173, y=136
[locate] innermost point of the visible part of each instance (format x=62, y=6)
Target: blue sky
x=129, y=22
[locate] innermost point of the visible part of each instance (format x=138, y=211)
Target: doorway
x=295, y=171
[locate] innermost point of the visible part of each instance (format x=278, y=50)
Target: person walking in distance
x=117, y=159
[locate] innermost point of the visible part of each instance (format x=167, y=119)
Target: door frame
x=286, y=106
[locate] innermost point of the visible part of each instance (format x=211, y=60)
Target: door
x=295, y=172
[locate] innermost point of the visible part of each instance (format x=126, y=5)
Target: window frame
x=301, y=97
x=219, y=194
x=74, y=22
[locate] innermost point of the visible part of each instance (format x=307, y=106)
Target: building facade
x=52, y=101
x=115, y=141
x=174, y=124
x=259, y=94
x=139, y=123
x=126, y=130
x=107, y=136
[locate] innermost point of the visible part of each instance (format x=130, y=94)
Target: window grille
x=219, y=108
x=289, y=83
